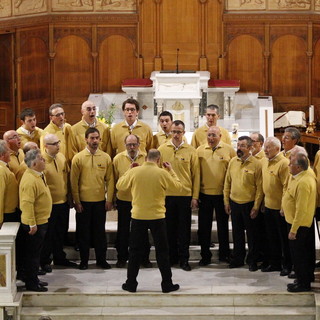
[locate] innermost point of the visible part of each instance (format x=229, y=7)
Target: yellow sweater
x=121, y=130
x=185, y=163
x=199, y=137
x=161, y=138
x=56, y=172
x=21, y=170
x=260, y=155
x=15, y=160
x=275, y=173
x=35, y=199
x=91, y=177
x=148, y=184
x=243, y=182
x=63, y=134
x=34, y=137
x=213, y=167
x=78, y=142
x=121, y=164
x=316, y=168
x=8, y=191
x=299, y=200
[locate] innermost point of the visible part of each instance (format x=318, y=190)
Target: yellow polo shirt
x=56, y=172
x=121, y=164
x=299, y=200
x=243, y=182
x=260, y=155
x=185, y=163
x=21, y=170
x=35, y=199
x=316, y=168
x=91, y=177
x=15, y=160
x=9, y=191
x=161, y=138
x=34, y=137
x=121, y=130
x=148, y=184
x=77, y=140
x=213, y=167
x=199, y=137
x=275, y=173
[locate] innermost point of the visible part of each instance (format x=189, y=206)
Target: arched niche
x=245, y=63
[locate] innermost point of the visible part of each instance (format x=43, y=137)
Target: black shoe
x=298, y=288
x=126, y=287
x=170, y=288
x=43, y=283
x=104, y=265
x=147, y=264
x=270, y=268
x=121, y=264
x=295, y=281
x=253, y=267
x=37, y=288
x=41, y=272
x=83, y=266
x=234, y=265
x=284, y=272
x=224, y=259
x=66, y=263
x=292, y=275
x=185, y=266
x=204, y=262
x=46, y=268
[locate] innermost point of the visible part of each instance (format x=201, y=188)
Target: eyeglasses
x=58, y=114
x=14, y=137
x=132, y=144
x=54, y=143
x=130, y=109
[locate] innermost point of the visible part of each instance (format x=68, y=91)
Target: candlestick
x=311, y=114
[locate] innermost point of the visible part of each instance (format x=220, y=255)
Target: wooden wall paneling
x=117, y=61
x=289, y=67
x=180, y=29
x=7, y=107
x=246, y=63
x=316, y=71
x=203, y=63
x=309, y=55
x=35, y=78
x=266, y=55
x=94, y=54
x=73, y=69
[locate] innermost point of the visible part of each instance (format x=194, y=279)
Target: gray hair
x=213, y=107
x=274, y=141
x=295, y=133
x=31, y=156
x=299, y=150
x=260, y=136
x=302, y=161
x=3, y=147
x=54, y=106
x=153, y=155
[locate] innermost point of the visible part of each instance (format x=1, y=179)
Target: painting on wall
x=246, y=5
x=5, y=8
x=290, y=5
x=317, y=5
x=21, y=7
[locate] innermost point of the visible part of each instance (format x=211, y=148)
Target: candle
x=311, y=113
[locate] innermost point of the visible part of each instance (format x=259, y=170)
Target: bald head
x=29, y=146
x=52, y=144
x=13, y=140
x=153, y=155
x=213, y=136
x=88, y=110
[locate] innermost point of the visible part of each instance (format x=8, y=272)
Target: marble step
x=171, y=306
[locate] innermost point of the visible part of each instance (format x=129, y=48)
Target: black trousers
x=123, y=232
x=241, y=224
x=208, y=204
x=137, y=244
x=54, y=240
x=303, y=254
x=16, y=217
x=278, y=244
x=178, y=219
x=32, y=249
x=91, y=229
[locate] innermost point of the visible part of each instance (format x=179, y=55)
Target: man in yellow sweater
x=89, y=120
x=16, y=154
x=59, y=127
x=299, y=203
x=149, y=182
x=122, y=162
x=242, y=199
x=257, y=145
x=290, y=138
x=35, y=204
x=57, y=174
x=200, y=135
x=184, y=160
x=29, y=131
x=275, y=172
x=91, y=177
x=165, y=122
x=214, y=157
x=130, y=125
